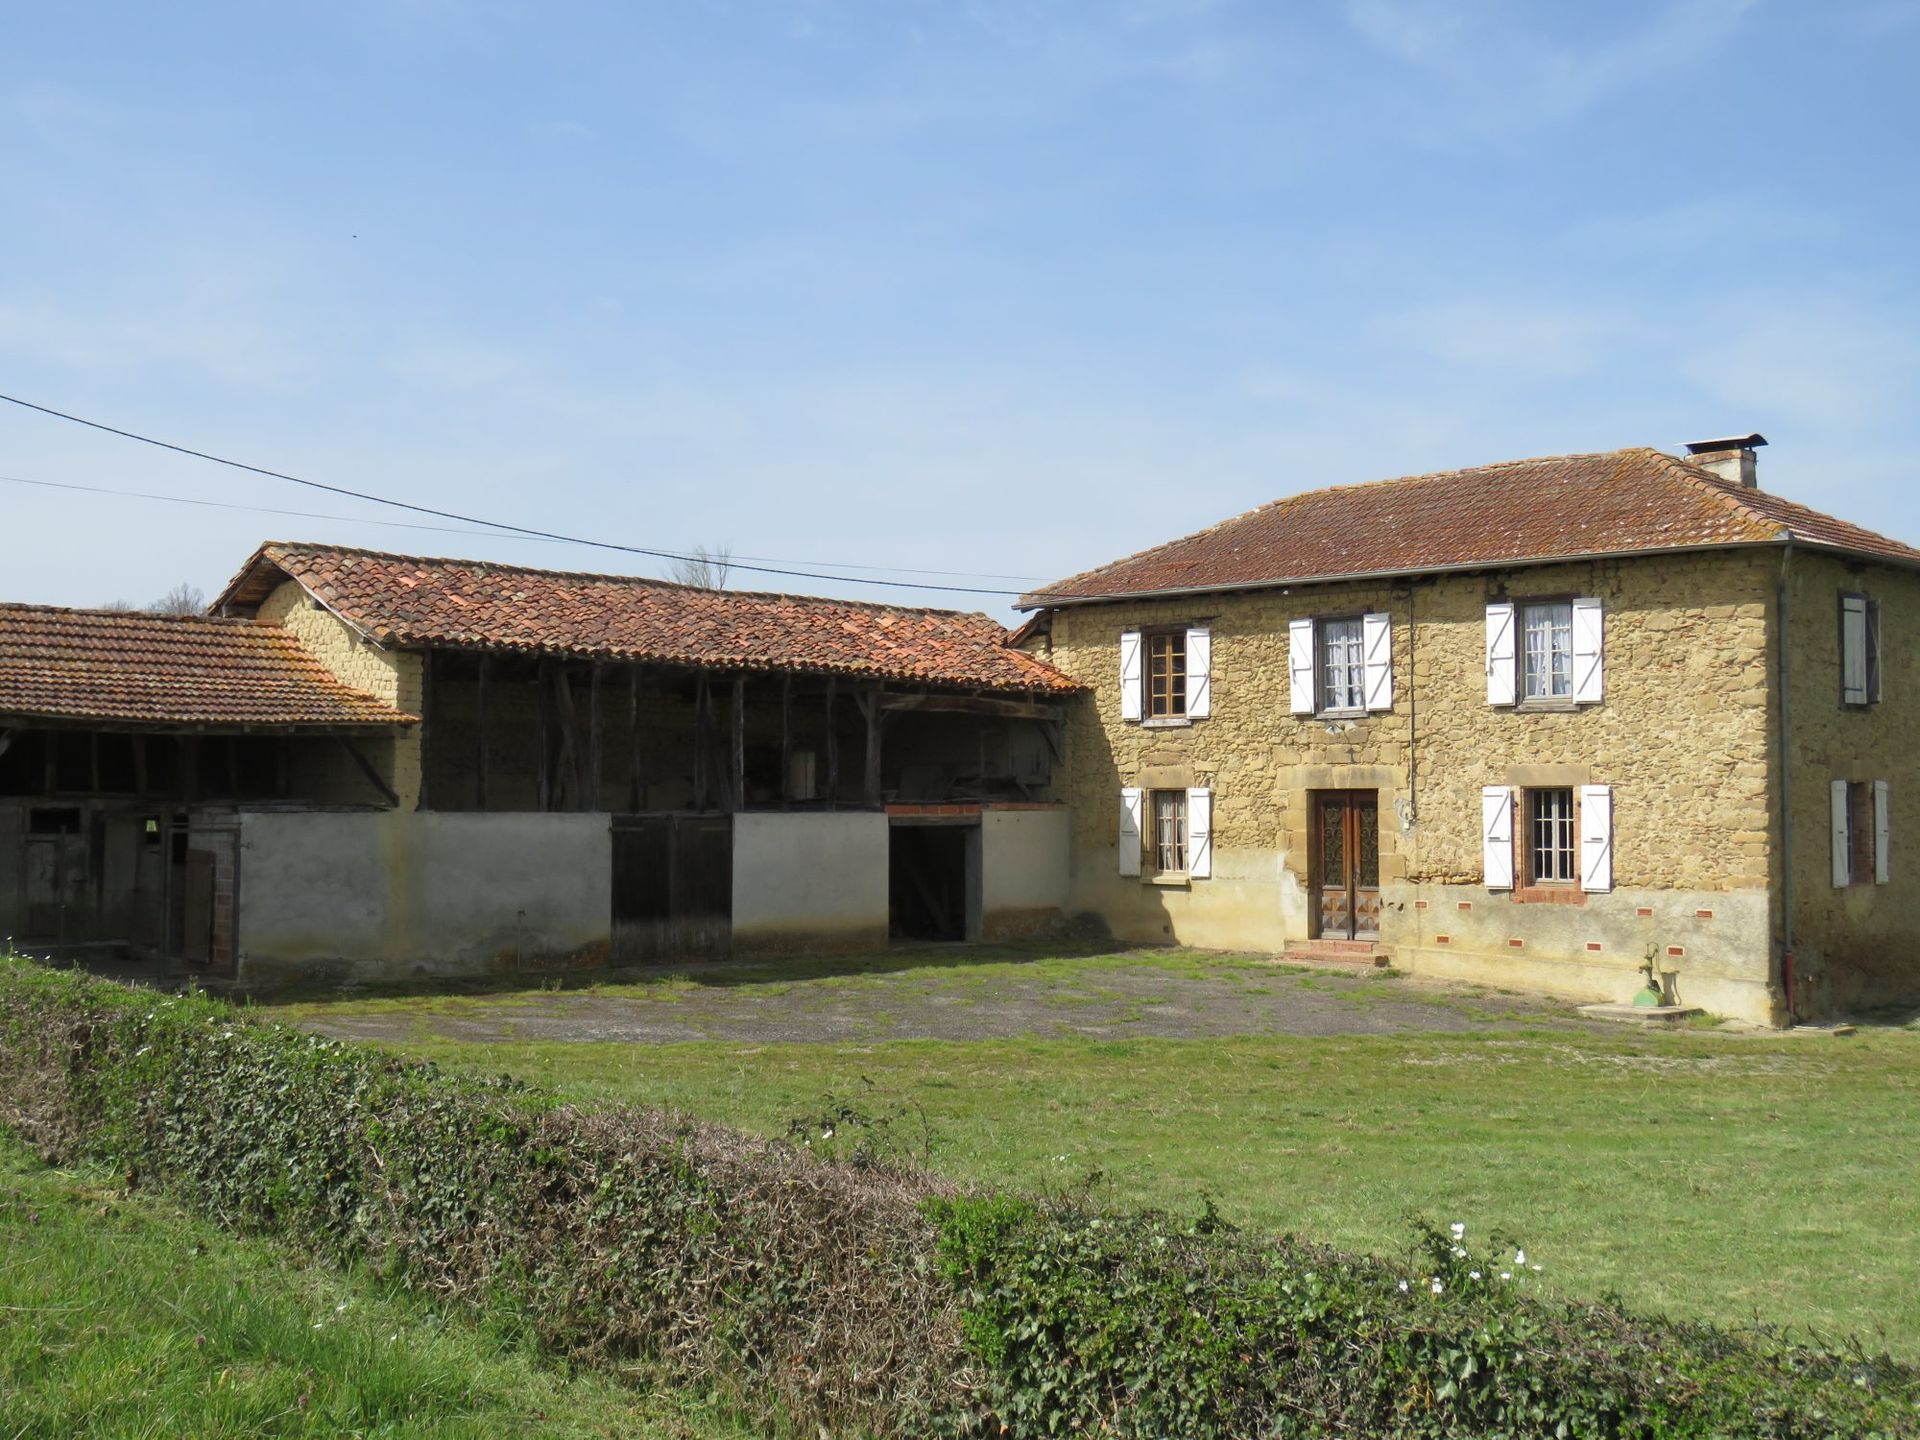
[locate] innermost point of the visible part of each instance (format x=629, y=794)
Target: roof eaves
x=1042, y=600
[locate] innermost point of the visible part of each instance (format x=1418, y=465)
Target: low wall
x=1025, y=872
x=809, y=882
x=395, y=895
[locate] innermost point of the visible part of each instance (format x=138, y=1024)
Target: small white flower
x=1536, y=1268
x=1458, y=1253
x=340, y=1307
x=1458, y=1229
x=1473, y=1274
x=318, y=1323
x=1437, y=1286
x=827, y=1134
x=1519, y=1257
x=1506, y=1274
x=1403, y=1287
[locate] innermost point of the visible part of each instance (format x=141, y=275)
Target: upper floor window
x=1166, y=675
x=1341, y=665
x=1859, y=650
x=1545, y=653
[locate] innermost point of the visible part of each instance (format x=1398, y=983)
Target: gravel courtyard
x=937, y=993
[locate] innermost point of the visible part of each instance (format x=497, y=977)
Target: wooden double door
x=1346, y=864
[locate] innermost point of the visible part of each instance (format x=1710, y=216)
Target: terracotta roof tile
x=414, y=601
x=171, y=670
x=1520, y=512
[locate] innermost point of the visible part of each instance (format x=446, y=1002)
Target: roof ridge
x=267, y=547
x=1716, y=486
x=157, y=616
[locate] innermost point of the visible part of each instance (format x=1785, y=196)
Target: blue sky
x=1001, y=287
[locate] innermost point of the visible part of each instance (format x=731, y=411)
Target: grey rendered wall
x=809, y=882
x=398, y=894
x=1025, y=872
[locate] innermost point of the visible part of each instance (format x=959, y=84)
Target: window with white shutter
x=1596, y=838
x=1882, y=827
x=1588, y=637
x=1496, y=836
x=1300, y=665
x=1842, y=831
x=1131, y=686
x=1130, y=806
x=1500, y=654
x=1199, y=834
x=1199, y=673
x=1859, y=650
x=1379, y=647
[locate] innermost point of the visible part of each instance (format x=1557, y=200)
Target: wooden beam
x=786, y=740
x=972, y=705
x=633, y=738
x=480, y=735
x=426, y=721
x=701, y=800
x=739, y=742
x=50, y=760
x=870, y=703
x=833, y=752
x=569, y=766
x=373, y=775
x=593, y=738
x=544, y=781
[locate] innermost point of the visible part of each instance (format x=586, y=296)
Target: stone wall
x=389, y=675
x=1858, y=946
x=1681, y=736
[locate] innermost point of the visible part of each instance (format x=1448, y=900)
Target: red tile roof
x=113, y=666
x=1521, y=512
x=416, y=602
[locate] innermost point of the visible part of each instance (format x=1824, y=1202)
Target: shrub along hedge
x=858, y=1298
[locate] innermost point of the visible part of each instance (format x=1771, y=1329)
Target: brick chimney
x=1732, y=458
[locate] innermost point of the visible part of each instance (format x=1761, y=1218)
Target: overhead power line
x=494, y=526
x=448, y=529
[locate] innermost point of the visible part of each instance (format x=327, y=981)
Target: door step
x=1354, y=954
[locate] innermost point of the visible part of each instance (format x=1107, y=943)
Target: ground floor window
x=1552, y=849
x=1170, y=830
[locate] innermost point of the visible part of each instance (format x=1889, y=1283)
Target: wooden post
x=189, y=768
x=739, y=742
x=876, y=717
x=50, y=760
x=786, y=740
x=569, y=767
x=140, y=764
x=93, y=761
x=480, y=734
x=633, y=738
x=426, y=718
x=700, y=743
x=833, y=752
x=593, y=739
x=544, y=781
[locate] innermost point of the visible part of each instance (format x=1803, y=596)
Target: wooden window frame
x=1522, y=700
x=1870, y=660
x=1862, y=862
x=1321, y=709
x=1156, y=847
x=1152, y=642
x=1527, y=890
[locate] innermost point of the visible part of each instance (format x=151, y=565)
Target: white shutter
x=1500, y=676
x=1199, y=674
x=1300, y=665
x=1130, y=689
x=1875, y=667
x=1130, y=832
x=1588, y=629
x=1853, y=650
x=1842, y=841
x=1199, y=834
x=1496, y=836
x=1596, y=838
x=1882, y=830
x=1377, y=632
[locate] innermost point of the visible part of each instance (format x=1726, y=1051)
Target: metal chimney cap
x=1731, y=442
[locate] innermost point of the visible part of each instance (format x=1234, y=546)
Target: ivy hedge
x=859, y=1298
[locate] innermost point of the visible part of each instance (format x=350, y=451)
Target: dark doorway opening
x=928, y=869
x=672, y=887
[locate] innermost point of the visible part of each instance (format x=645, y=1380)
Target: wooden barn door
x=672, y=887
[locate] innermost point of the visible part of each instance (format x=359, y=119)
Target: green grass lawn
x=1720, y=1176
x=120, y=1316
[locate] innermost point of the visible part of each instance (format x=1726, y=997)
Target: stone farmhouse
x=1537, y=724
x=370, y=766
